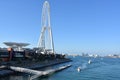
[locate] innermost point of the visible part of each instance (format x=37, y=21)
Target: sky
x=89, y=26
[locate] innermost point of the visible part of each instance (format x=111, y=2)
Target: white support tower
x=46, y=39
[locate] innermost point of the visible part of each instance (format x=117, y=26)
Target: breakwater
x=35, y=65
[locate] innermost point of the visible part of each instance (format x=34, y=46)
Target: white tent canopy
x=16, y=45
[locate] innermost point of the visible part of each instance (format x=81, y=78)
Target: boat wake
x=82, y=67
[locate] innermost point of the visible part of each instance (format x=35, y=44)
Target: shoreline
x=37, y=65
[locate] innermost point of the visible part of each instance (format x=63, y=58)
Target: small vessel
x=79, y=69
x=89, y=62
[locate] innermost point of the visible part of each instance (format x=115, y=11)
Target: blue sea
x=99, y=69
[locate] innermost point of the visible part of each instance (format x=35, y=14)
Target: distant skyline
x=89, y=26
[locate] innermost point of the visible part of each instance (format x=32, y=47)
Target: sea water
x=98, y=69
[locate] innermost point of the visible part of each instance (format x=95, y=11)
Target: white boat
x=78, y=69
x=89, y=62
